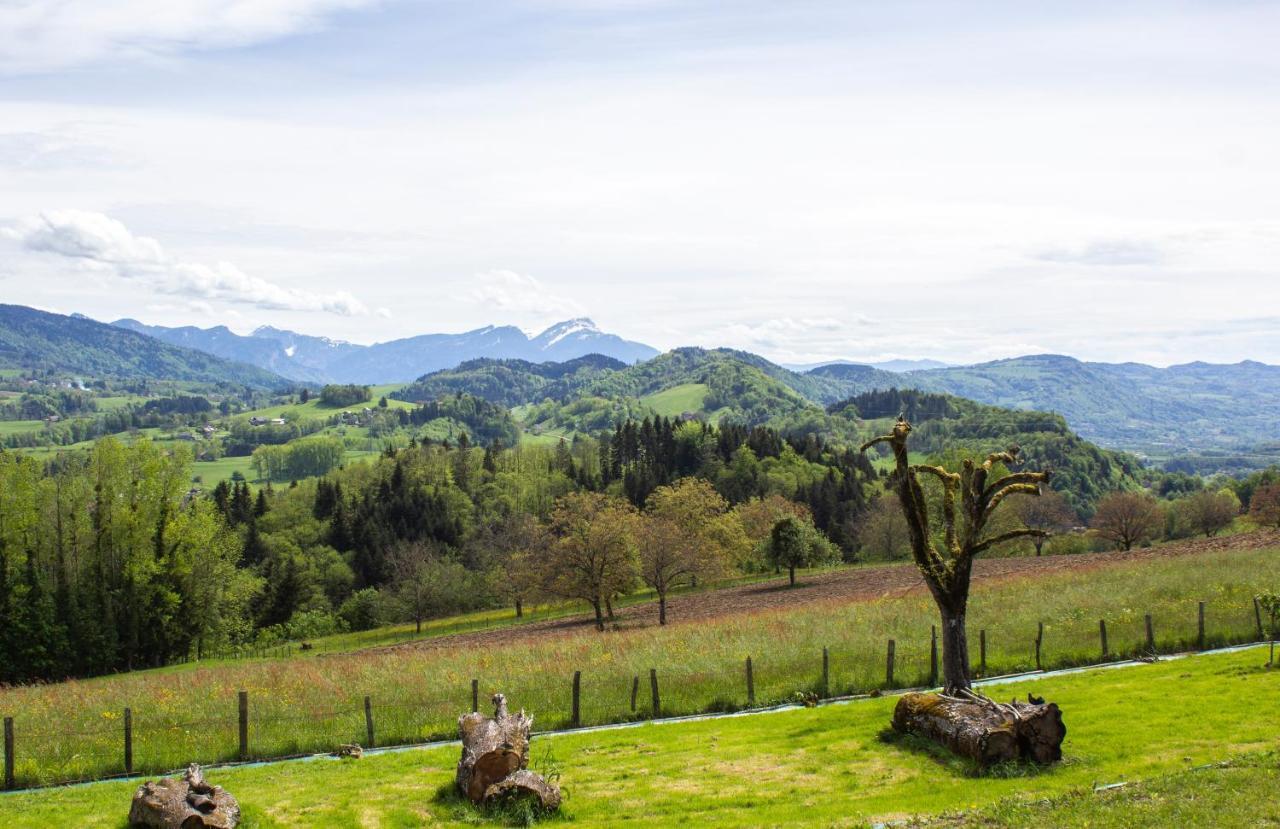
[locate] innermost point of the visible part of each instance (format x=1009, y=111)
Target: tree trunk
x=662, y=608
x=595, y=605
x=519, y=609
x=982, y=730
x=418, y=621
x=495, y=753
x=1039, y=542
x=186, y=803
x=608, y=606
x=792, y=573
x=955, y=652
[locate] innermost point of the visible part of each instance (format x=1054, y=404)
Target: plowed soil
x=851, y=584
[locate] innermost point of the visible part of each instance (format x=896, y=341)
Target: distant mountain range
x=322, y=360
x=1210, y=417
x=887, y=365
x=78, y=346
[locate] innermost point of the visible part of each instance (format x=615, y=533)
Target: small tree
x=1209, y=512
x=414, y=579
x=1270, y=602
x=1127, y=518
x=1264, y=507
x=519, y=550
x=1050, y=512
x=787, y=547
x=686, y=533
x=947, y=572
x=593, y=557
x=884, y=533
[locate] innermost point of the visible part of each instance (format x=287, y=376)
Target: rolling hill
x=82, y=348
x=323, y=360
x=1228, y=416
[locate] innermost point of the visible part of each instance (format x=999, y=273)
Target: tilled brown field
x=853, y=584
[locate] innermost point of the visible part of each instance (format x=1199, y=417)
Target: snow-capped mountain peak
x=568, y=328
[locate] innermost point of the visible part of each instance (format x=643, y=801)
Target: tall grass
x=73, y=730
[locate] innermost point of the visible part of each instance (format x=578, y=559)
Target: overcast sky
x=806, y=180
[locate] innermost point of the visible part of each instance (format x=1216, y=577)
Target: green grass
x=672, y=402
x=828, y=766
x=71, y=730
x=20, y=427
x=314, y=408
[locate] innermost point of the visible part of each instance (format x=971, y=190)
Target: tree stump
x=495, y=754
x=982, y=729
x=186, y=803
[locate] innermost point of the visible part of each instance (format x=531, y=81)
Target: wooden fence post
x=1151, y=636
x=751, y=684
x=982, y=651
x=577, y=690
x=826, y=673
x=635, y=692
x=653, y=689
x=933, y=655
x=1039, y=641
x=475, y=695
x=8, y=753
x=1201, y=625
x=1102, y=633
x=888, y=667
x=368, y=721
x=128, y=741
x=244, y=724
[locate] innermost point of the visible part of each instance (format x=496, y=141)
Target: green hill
x=37, y=341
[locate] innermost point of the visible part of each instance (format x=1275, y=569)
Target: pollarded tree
x=947, y=571
x=593, y=557
x=1127, y=518
x=686, y=533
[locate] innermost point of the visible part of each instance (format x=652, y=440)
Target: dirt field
x=853, y=584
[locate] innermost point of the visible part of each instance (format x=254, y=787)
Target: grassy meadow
x=308, y=703
x=834, y=765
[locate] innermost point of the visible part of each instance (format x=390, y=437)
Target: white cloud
x=517, y=292
x=45, y=35
x=103, y=242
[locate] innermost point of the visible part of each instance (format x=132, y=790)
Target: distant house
x=277, y=421
x=258, y=421
x=208, y=430
x=53, y=418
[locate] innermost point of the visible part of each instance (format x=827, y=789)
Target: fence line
x=249, y=737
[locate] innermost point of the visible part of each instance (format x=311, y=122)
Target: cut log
x=492, y=748
x=495, y=756
x=525, y=784
x=186, y=803
x=982, y=730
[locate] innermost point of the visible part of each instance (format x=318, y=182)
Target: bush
x=363, y=611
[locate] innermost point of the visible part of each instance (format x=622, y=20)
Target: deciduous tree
x=1264, y=507
x=686, y=533
x=594, y=556
x=1127, y=518
x=1050, y=512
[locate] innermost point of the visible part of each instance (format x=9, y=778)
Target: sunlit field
x=73, y=730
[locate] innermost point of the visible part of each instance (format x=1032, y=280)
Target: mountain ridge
x=317, y=359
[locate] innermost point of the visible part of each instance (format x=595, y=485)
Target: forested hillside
x=37, y=341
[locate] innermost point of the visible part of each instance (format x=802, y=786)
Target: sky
x=810, y=181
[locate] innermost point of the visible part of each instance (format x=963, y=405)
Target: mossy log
x=983, y=730
x=495, y=756
x=186, y=803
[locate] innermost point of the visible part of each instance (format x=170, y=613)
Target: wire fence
x=143, y=740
